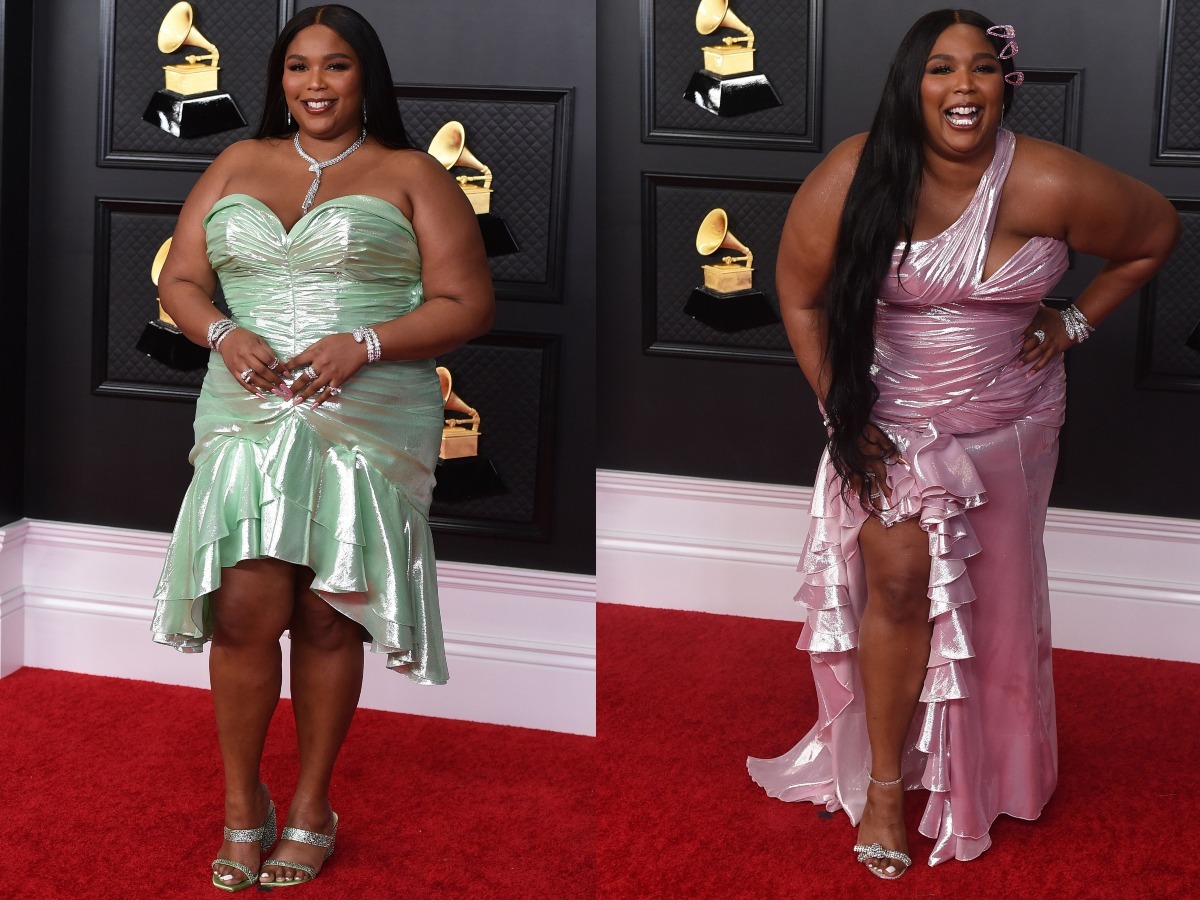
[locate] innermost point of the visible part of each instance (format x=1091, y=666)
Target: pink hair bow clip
x=1008, y=51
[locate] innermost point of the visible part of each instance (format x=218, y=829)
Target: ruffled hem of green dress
x=314, y=503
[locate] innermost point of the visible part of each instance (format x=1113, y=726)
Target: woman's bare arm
x=187, y=283
x=805, y=260
x=1102, y=212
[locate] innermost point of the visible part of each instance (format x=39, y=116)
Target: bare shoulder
x=243, y=161
x=823, y=193
x=1044, y=166
x=414, y=167
x=836, y=170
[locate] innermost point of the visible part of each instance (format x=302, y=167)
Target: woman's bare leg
x=250, y=611
x=327, y=667
x=893, y=652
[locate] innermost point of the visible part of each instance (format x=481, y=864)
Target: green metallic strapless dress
x=343, y=489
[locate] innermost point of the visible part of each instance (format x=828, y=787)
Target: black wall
x=16, y=31
x=758, y=421
x=123, y=461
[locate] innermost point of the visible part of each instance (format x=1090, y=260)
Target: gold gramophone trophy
x=190, y=105
x=728, y=84
x=727, y=300
x=462, y=474
x=161, y=339
x=449, y=147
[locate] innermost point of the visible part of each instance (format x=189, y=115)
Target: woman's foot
x=318, y=818
x=883, y=823
x=242, y=813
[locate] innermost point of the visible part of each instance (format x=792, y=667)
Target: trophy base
x=1193, y=340
x=193, y=116
x=467, y=478
x=731, y=312
x=732, y=95
x=168, y=345
x=497, y=239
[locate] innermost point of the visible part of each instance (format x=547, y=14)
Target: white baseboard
x=1122, y=584
x=521, y=643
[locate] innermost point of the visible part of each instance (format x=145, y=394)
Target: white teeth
x=318, y=104
x=962, y=115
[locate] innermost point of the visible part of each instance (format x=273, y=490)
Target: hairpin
x=1009, y=34
x=1008, y=51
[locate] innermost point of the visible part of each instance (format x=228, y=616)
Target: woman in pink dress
x=911, y=275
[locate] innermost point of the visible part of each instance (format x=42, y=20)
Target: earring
x=287, y=112
x=364, y=111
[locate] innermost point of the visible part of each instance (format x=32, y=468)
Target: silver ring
x=247, y=375
x=1040, y=335
x=310, y=372
x=334, y=391
x=273, y=365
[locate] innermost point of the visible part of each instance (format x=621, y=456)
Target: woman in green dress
x=348, y=261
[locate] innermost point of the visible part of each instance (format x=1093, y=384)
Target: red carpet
x=111, y=788
x=685, y=697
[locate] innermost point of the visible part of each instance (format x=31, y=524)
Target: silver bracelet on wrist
x=366, y=335
x=1076, y=323
x=218, y=331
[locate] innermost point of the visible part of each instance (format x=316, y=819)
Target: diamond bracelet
x=1076, y=323
x=367, y=335
x=218, y=331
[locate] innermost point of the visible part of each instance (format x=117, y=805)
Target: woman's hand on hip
x=322, y=369
x=1043, y=339
x=253, y=362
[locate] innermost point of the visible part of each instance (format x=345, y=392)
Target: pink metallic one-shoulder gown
x=978, y=438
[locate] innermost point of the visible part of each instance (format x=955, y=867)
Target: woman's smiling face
x=322, y=83
x=962, y=92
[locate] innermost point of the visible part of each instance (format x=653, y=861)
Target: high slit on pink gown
x=978, y=439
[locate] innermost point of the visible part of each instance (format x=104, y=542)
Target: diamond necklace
x=316, y=167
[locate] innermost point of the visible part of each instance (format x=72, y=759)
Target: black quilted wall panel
x=1179, y=85
x=1046, y=106
x=242, y=30
x=786, y=41
x=674, y=208
x=1170, y=312
x=128, y=235
x=522, y=136
x=509, y=379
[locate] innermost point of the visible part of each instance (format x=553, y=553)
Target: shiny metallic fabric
x=344, y=488
x=977, y=439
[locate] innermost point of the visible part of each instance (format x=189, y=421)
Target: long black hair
x=880, y=207
x=383, y=115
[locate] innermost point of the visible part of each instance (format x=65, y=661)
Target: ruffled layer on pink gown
x=978, y=442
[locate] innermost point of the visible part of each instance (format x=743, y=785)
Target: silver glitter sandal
x=264, y=836
x=876, y=851
x=300, y=836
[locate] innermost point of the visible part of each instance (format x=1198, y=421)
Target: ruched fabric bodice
x=947, y=341
x=349, y=262
x=343, y=488
x=976, y=446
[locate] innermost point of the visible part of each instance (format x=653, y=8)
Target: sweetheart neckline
x=288, y=232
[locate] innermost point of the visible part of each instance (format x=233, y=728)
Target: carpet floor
x=684, y=698
x=112, y=788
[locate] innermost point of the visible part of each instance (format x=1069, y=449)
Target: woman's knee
x=253, y=604
x=319, y=625
x=900, y=597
